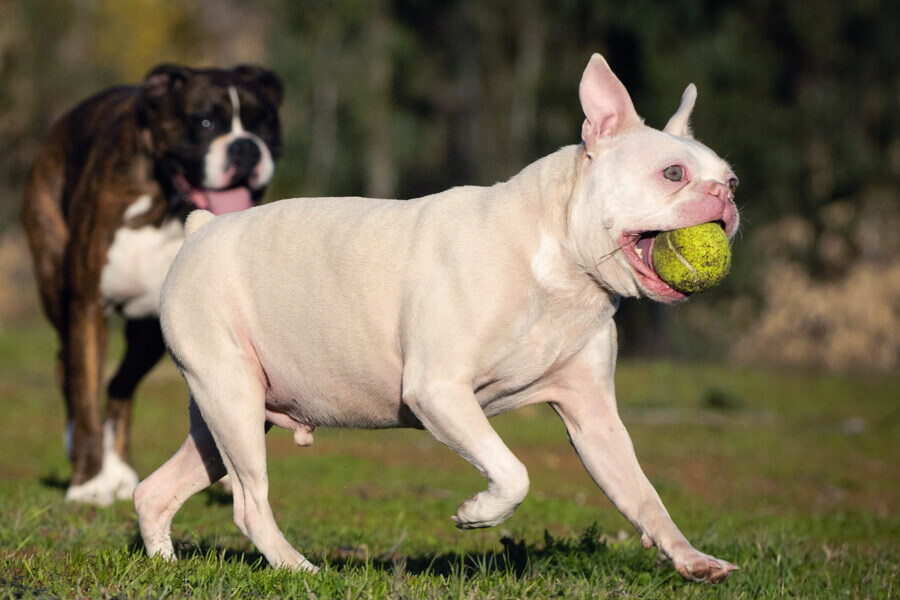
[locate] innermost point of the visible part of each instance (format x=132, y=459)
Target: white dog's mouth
x=637, y=246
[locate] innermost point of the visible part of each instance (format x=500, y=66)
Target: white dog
x=439, y=313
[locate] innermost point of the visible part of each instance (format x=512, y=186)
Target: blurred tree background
x=406, y=97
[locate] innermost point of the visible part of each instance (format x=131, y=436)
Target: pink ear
x=605, y=102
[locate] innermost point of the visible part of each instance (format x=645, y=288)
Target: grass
x=795, y=477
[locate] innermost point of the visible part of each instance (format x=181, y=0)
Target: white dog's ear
x=680, y=123
x=605, y=102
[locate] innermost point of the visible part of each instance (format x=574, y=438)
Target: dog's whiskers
x=602, y=259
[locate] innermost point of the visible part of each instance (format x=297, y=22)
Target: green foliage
x=407, y=98
x=437, y=94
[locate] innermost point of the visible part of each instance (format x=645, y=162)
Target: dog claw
x=705, y=569
x=307, y=567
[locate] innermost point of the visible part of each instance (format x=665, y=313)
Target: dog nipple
x=303, y=435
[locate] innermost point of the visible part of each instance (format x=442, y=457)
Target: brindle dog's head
x=214, y=132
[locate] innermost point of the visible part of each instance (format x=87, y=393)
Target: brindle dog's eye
x=733, y=184
x=203, y=121
x=674, y=173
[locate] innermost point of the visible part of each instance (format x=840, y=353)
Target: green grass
x=795, y=477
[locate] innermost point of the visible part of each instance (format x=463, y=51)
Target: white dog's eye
x=733, y=184
x=674, y=173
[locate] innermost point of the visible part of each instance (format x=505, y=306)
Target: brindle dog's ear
x=267, y=82
x=163, y=80
x=160, y=86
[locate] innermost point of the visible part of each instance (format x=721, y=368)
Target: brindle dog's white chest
x=136, y=267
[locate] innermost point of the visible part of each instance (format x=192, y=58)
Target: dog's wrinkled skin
x=438, y=312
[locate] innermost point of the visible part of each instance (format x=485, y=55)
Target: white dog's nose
x=718, y=189
x=725, y=197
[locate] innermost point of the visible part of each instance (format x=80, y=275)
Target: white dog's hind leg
x=196, y=464
x=232, y=401
x=452, y=415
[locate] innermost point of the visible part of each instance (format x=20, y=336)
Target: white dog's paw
x=286, y=557
x=159, y=545
x=694, y=565
x=307, y=567
x=483, y=510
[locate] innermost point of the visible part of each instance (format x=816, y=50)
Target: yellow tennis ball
x=692, y=259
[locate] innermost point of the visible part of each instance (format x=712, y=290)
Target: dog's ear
x=162, y=80
x=680, y=123
x=268, y=83
x=160, y=87
x=606, y=104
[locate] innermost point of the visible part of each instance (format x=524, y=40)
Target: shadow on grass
x=16, y=587
x=186, y=550
x=581, y=557
x=513, y=559
x=217, y=495
x=55, y=481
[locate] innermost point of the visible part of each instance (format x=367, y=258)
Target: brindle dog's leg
x=83, y=356
x=144, y=347
x=84, y=349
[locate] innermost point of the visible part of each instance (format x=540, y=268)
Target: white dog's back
x=351, y=276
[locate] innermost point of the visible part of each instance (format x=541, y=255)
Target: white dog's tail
x=196, y=220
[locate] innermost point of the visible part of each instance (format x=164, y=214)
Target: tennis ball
x=692, y=259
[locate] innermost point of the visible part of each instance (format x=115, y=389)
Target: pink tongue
x=222, y=202
x=646, y=246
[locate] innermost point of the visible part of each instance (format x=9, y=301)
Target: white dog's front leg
x=608, y=455
x=452, y=415
x=588, y=409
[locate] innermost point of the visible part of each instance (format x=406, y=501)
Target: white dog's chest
x=522, y=375
x=136, y=267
